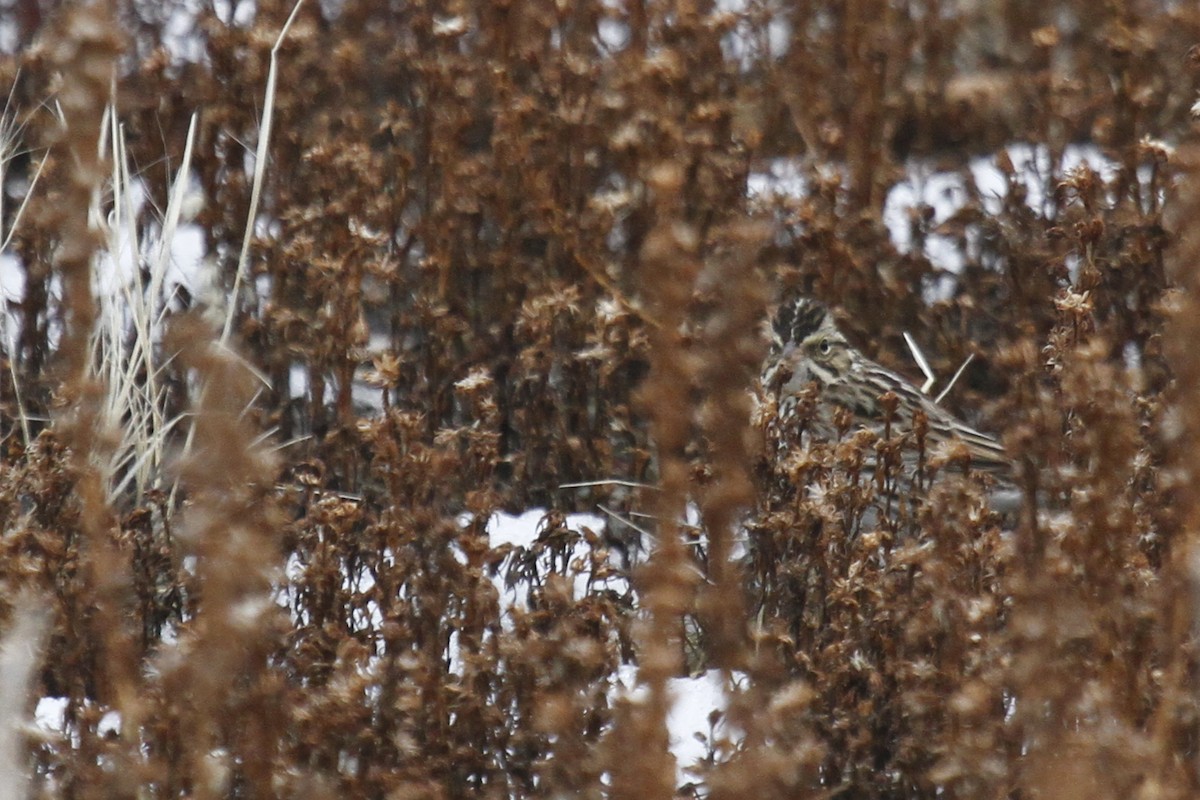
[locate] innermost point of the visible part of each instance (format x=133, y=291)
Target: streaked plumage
x=808, y=348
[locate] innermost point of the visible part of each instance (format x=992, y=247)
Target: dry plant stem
x=229, y=527
x=669, y=266
x=1172, y=721
x=85, y=50
x=20, y=656
x=733, y=350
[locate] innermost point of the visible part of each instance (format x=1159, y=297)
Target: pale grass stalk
x=125, y=405
x=10, y=131
x=919, y=357
x=135, y=401
x=24, y=200
x=927, y=371
x=260, y=162
x=11, y=343
x=607, y=482
x=954, y=379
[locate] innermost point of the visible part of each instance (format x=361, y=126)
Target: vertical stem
x=86, y=46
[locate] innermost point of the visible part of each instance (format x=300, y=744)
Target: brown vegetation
x=537, y=244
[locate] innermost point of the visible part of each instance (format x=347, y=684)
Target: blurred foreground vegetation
x=503, y=247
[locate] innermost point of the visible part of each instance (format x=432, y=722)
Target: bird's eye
x=824, y=346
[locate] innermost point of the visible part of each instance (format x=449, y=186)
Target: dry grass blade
x=260, y=169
